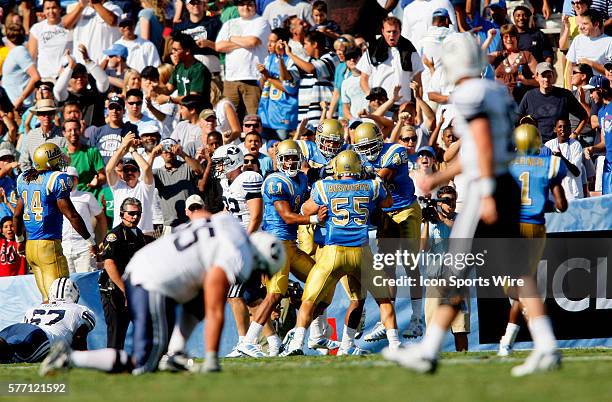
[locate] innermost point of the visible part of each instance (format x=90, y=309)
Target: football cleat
x=235, y=352
x=411, y=358
x=353, y=351
x=292, y=350
x=505, y=350
x=415, y=328
x=175, y=362
x=323, y=343
x=250, y=349
x=210, y=366
x=538, y=361
x=377, y=334
x=57, y=359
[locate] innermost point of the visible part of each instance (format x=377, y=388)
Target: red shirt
x=11, y=263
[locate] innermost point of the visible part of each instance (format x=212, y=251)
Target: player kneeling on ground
x=60, y=320
x=209, y=254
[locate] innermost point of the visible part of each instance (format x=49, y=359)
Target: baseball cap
x=130, y=162
x=498, y=4
x=206, y=113
x=543, y=67
x=251, y=118
x=71, y=171
x=440, y=12
x=6, y=152
x=148, y=128
x=117, y=50
x=41, y=83
x=126, y=22
x=426, y=148
x=376, y=93
x=116, y=100
x=192, y=200
x=79, y=70
x=597, y=82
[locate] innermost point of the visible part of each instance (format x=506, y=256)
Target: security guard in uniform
x=120, y=245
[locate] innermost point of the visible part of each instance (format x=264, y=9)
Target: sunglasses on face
x=251, y=125
x=409, y=139
x=576, y=72
x=46, y=114
x=138, y=103
x=133, y=213
x=249, y=161
x=130, y=170
x=115, y=107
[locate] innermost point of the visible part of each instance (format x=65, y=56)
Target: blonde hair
x=158, y=7
x=165, y=72
x=216, y=94
x=344, y=42
x=129, y=74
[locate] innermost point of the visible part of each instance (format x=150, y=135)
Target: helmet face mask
x=289, y=158
x=369, y=149
x=368, y=141
x=226, y=159
x=329, y=137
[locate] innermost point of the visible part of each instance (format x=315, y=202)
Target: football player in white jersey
x=208, y=255
x=59, y=320
x=491, y=208
x=242, y=197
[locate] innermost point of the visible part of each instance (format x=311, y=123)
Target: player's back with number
x=60, y=321
x=350, y=203
x=535, y=174
x=41, y=215
x=174, y=265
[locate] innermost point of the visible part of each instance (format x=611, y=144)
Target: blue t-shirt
x=350, y=203
x=279, y=109
x=342, y=72
x=265, y=164
x=536, y=174
x=9, y=184
x=155, y=27
x=42, y=218
x=107, y=139
x=280, y=187
x=14, y=74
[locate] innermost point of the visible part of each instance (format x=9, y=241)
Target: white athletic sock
x=274, y=342
x=101, y=359
x=509, y=337
x=348, y=338
x=298, y=338
x=317, y=327
x=253, y=333
x=542, y=334
x=181, y=333
x=432, y=342
x=393, y=337
x=417, y=308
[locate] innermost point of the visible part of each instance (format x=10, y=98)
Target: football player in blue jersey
x=283, y=194
x=537, y=175
x=402, y=220
x=44, y=200
x=350, y=202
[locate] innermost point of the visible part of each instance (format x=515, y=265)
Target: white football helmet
x=462, y=57
x=269, y=253
x=63, y=290
x=227, y=158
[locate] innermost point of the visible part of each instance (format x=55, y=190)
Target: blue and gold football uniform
x=280, y=187
x=350, y=204
x=43, y=221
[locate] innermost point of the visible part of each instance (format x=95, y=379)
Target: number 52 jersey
x=174, y=265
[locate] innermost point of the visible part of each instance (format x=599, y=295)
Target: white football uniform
x=235, y=195
x=174, y=265
x=60, y=320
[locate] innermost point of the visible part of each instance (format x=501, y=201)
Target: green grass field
x=585, y=376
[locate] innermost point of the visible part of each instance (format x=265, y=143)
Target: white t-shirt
x=60, y=320
x=168, y=109
x=193, y=249
x=597, y=49
x=185, y=132
x=353, y=95
x=91, y=31
x=390, y=74
x=277, y=11
x=144, y=193
x=417, y=19
x=241, y=64
x=141, y=53
x=53, y=40
x=572, y=151
x=88, y=207
x=235, y=195
x=222, y=122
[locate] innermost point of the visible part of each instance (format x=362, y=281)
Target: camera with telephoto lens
x=429, y=208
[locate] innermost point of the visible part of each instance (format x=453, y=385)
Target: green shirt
x=88, y=162
x=195, y=79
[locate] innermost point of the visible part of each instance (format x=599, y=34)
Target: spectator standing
x=141, y=52
x=417, y=18
x=86, y=160
x=329, y=28
x=150, y=25
x=11, y=263
x=203, y=28
x=125, y=181
x=252, y=145
x=297, y=28
x=352, y=96
x=569, y=150
x=188, y=129
x=45, y=111
x=8, y=182
x=74, y=247
x=241, y=41
x=390, y=61
x=134, y=115
x=107, y=139
x=49, y=40
x=19, y=74
x=581, y=75
x=530, y=38
x=175, y=181
x=227, y=118
x=119, y=246
x=342, y=45
x=162, y=114
x=277, y=11
x=210, y=186
x=548, y=103
x=94, y=25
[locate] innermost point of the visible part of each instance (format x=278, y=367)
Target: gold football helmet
x=527, y=139
x=347, y=164
x=289, y=158
x=368, y=141
x=329, y=137
x=48, y=156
